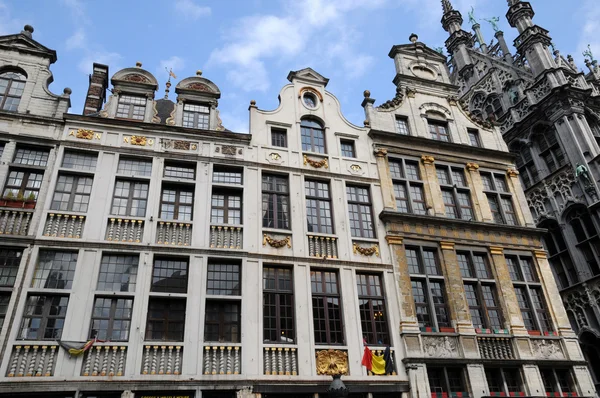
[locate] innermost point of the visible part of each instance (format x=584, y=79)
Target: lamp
x=337, y=389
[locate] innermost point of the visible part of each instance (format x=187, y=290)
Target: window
x=371, y=304
x=72, y=193
x=530, y=295
x=225, y=175
x=318, y=207
x=313, y=136
x=551, y=151
x=402, y=125
x=131, y=107
x=278, y=305
x=455, y=193
x=118, y=273
x=226, y=208
x=504, y=382
x=44, y=317
x=310, y=100
x=135, y=167
x=279, y=137
x=78, y=160
x=526, y=166
x=408, y=188
x=166, y=319
x=275, y=201
x=481, y=296
x=445, y=381
x=32, y=157
x=4, y=301
x=196, y=116
x=12, y=85
x=361, y=215
x=586, y=234
x=439, y=131
x=130, y=198
x=223, y=278
x=499, y=198
x=326, y=305
x=493, y=107
x=180, y=170
x=9, y=266
x=557, y=382
x=474, y=137
x=54, y=270
x=347, y=147
x=558, y=255
x=176, y=203
x=111, y=319
x=222, y=321
x=23, y=184
x=169, y=275
x=427, y=287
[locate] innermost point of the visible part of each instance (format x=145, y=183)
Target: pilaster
x=385, y=178
x=521, y=208
x=480, y=203
x=459, y=308
x=433, y=192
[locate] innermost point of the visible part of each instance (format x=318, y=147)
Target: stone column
x=477, y=28
x=417, y=376
x=506, y=293
x=459, y=308
x=499, y=35
x=408, y=317
x=481, y=206
x=521, y=210
x=433, y=192
x=387, y=186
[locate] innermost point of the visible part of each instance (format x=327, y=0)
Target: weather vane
x=168, y=84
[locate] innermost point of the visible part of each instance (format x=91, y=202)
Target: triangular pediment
x=308, y=74
x=23, y=43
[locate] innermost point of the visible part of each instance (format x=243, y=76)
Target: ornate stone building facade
x=548, y=113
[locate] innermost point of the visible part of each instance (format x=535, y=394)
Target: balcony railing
x=107, y=360
x=221, y=360
x=322, y=246
x=125, y=230
x=162, y=360
x=174, y=233
x=495, y=348
x=32, y=361
x=280, y=361
x=64, y=225
x=14, y=222
x=225, y=237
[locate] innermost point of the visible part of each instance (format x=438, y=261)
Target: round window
x=310, y=100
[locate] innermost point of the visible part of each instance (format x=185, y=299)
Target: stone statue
x=588, y=54
x=494, y=22
x=582, y=172
x=472, y=19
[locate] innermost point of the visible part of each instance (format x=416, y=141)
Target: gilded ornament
x=316, y=164
x=381, y=152
x=85, y=134
x=365, y=251
x=472, y=166
x=427, y=159
x=512, y=173
x=228, y=150
x=275, y=156
x=355, y=167
x=139, y=140
x=287, y=241
x=332, y=362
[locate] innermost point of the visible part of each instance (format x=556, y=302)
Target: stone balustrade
x=104, y=360
x=222, y=360
x=495, y=348
x=322, y=246
x=225, y=237
x=14, y=222
x=64, y=225
x=125, y=230
x=32, y=361
x=174, y=233
x=162, y=360
x=280, y=361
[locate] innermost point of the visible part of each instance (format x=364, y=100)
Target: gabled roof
x=23, y=42
x=308, y=74
x=410, y=49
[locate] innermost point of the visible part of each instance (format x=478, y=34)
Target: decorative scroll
x=332, y=362
x=365, y=251
x=316, y=164
x=287, y=241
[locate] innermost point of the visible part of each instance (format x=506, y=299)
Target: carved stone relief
x=440, y=347
x=547, y=349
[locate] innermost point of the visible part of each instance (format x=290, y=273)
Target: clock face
x=310, y=100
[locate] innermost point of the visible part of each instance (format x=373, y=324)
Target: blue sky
x=248, y=47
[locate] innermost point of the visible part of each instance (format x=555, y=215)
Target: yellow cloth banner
x=378, y=365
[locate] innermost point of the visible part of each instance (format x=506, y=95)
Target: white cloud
x=101, y=57
x=176, y=63
x=8, y=24
x=191, y=10
x=77, y=40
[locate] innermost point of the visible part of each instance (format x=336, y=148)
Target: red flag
x=367, y=359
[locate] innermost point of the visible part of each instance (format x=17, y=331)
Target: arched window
x=550, y=150
x=493, y=107
x=587, y=237
x=11, y=90
x=313, y=136
x=526, y=166
x=559, y=257
x=477, y=105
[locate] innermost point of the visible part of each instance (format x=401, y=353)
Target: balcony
x=125, y=230
x=162, y=360
x=322, y=246
x=280, y=361
x=32, y=361
x=14, y=222
x=174, y=233
x=222, y=360
x=390, y=370
x=64, y=226
x=495, y=348
x=104, y=360
x=225, y=237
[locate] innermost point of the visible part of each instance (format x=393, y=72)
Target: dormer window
x=196, y=116
x=12, y=85
x=131, y=107
x=438, y=130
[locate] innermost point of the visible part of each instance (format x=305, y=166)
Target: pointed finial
x=27, y=30
x=138, y=64
x=168, y=84
x=413, y=38
x=198, y=72
x=447, y=6
x=513, y=2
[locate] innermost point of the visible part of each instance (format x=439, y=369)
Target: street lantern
x=337, y=389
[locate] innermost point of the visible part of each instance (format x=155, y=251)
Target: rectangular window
x=438, y=131
x=347, y=147
x=196, y=116
x=279, y=137
x=474, y=137
x=223, y=278
x=131, y=107
x=473, y=265
x=226, y=175
x=111, y=319
x=166, y=319
x=445, y=381
x=180, y=170
x=313, y=136
x=408, y=188
x=9, y=266
x=275, y=201
x=326, y=304
x=135, y=166
x=499, y=199
x=23, y=184
x=318, y=207
x=226, y=208
x=4, y=301
x=373, y=314
x=54, y=270
x=455, y=193
x=169, y=275
x=402, y=125
x=32, y=157
x=222, y=321
x=118, y=273
x=505, y=381
x=278, y=305
x=72, y=193
x=79, y=160
x=130, y=198
x=44, y=317
x=176, y=202
x=361, y=213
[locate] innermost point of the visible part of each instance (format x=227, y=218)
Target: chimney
x=96, y=94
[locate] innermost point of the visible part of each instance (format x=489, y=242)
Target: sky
x=248, y=47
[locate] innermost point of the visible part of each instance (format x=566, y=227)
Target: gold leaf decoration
x=365, y=251
x=85, y=134
x=316, y=164
x=138, y=140
x=332, y=362
x=287, y=241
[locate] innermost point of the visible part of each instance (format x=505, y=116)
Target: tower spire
x=447, y=6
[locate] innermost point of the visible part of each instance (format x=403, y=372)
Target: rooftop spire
x=447, y=6
x=513, y=2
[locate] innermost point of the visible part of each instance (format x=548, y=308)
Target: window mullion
x=430, y=303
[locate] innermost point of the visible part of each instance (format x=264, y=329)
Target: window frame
x=165, y=319
x=23, y=188
x=111, y=318
x=474, y=137
x=505, y=387
x=226, y=208
x=73, y=193
x=448, y=386
x=438, y=129
x=90, y=157
x=10, y=262
x=348, y=148
x=279, y=137
x=402, y=125
x=551, y=151
x=44, y=316
x=178, y=284
x=177, y=203
x=371, y=320
x=127, y=100
x=129, y=262
x=222, y=323
x=455, y=189
x=403, y=182
x=271, y=197
x=309, y=132
x=319, y=208
x=191, y=168
x=56, y=259
x=363, y=216
x=497, y=195
x=9, y=85
x=130, y=197
x=276, y=296
x=324, y=296
x=196, y=115
x=215, y=288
